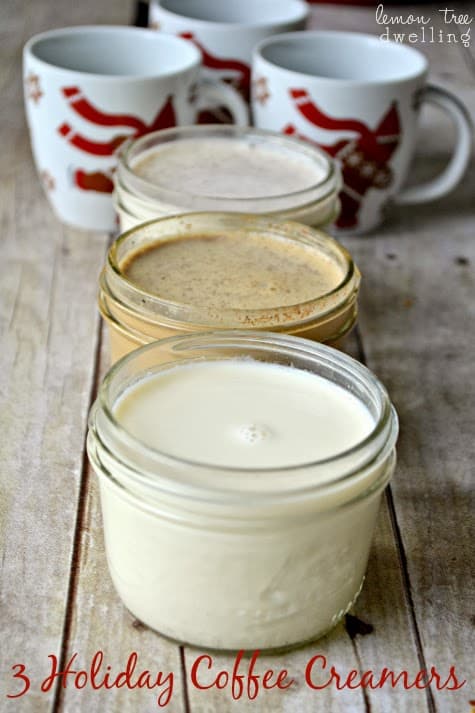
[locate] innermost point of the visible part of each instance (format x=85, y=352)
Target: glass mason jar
x=136, y=317
x=230, y=558
x=138, y=199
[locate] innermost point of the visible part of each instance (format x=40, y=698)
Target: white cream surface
x=243, y=414
x=227, y=168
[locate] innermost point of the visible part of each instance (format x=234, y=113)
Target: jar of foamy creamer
x=240, y=477
x=204, y=271
x=225, y=168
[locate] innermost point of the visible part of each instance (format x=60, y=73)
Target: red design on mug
x=363, y=159
x=97, y=148
x=93, y=181
x=78, y=102
x=83, y=107
x=234, y=71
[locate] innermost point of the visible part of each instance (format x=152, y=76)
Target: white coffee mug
x=358, y=97
x=226, y=32
x=87, y=89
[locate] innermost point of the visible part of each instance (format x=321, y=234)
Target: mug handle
x=213, y=92
x=452, y=174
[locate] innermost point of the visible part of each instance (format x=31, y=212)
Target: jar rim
x=330, y=182
x=380, y=440
x=132, y=297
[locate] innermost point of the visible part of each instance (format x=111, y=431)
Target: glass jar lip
x=290, y=230
x=329, y=183
x=385, y=426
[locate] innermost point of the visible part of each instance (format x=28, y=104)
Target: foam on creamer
x=243, y=414
x=228, y=168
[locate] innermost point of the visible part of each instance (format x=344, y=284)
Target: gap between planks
x=59, y=690
x=396, y=530
x=402, y=558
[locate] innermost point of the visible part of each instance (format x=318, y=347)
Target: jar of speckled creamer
x=225, y=168
x=204, y=271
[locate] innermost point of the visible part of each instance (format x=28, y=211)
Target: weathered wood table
x=416, y=331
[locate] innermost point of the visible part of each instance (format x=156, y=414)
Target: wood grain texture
x=48, y=330
x=416, y=321
x=98, y=621
x=416, y=331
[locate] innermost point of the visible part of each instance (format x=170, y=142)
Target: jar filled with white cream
x=240, y=477
x=225, y=168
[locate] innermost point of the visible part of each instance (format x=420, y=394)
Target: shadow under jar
x=205, y=271
x=225, y=168
x=240, y=478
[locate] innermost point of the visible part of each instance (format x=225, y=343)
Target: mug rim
x=30, y=53
x=341, y=35
x=302, y=15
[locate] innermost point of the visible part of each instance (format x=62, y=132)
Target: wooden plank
x=417, y=326
x=48, y=334
x=97, y=621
